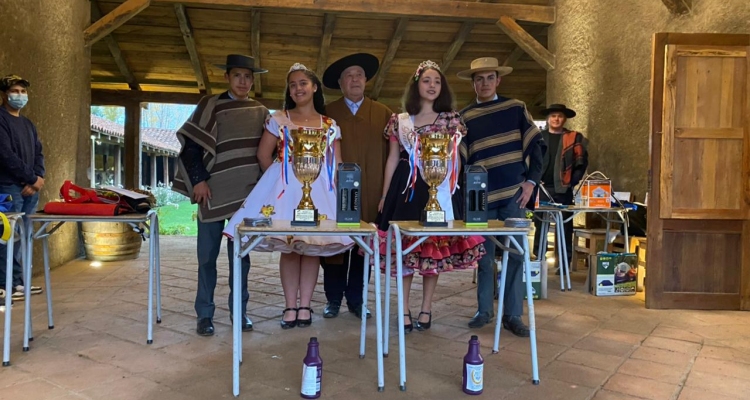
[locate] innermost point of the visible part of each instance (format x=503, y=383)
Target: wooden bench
x=638, y=246
x=590, y=242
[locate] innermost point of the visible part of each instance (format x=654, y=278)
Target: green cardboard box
x=613, y=274
x=536, y=279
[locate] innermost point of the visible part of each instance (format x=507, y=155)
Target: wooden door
x=699, y=181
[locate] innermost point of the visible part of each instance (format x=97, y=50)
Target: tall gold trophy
x=308, y=154
x=434, y=162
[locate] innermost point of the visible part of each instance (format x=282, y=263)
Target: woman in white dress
x=276, y=195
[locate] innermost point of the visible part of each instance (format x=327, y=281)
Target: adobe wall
x=42, y=41
x=603, y=51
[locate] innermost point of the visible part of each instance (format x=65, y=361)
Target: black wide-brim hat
x=368, y=62
x=241, y=61
x=559, y=108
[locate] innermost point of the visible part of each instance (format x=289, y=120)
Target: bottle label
x=310, y=382
x=474, y=377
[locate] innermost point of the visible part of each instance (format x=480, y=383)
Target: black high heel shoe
x=423, y=326
x=304, y=323
x=288, y=324
x=410, y=326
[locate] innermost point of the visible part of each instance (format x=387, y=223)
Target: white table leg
x=400, y=308
x=378, y=320
x=157, y=269
x=363, y=328
x=9, y=289
x=563, y=249
x=27, y=334
x=237, y=313
x=387, y=298
x=532, y=319
x=542, y=252
x=151, y=272
x=501, y=292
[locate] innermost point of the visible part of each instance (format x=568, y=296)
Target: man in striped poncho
x=217, y=168
x=501, y=137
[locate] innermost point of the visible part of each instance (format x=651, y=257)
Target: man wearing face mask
x=21, y=168
x=362, y=121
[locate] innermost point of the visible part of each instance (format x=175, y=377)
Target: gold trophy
x=434, y=162
x=309, y=146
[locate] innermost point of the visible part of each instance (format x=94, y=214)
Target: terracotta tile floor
x=589, y=347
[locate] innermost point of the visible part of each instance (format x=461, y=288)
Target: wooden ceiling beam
x=455, y=47
x=114, y=49
x=540, y=99
x=424, y=8
x=259, y=81
x=517, y=53
x=186, y=28
x=527, y=42
x=678, y=7
x=328, y=24
x=105, y=25
x=107, y=97
x=390, y=54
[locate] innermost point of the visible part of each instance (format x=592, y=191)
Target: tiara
x=423, y=66
x=298, y=67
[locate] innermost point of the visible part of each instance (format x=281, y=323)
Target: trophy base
x=305, y=217
x=433, y=219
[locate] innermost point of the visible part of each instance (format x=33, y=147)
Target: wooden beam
x=540, y=99
x=104, y=97
x=678, y=7
x=390, y=54
x=514, y=56
x=328, y=24
x=455, y=47
x=120, y=15
x=455, y=9
x=255, y=51
x=187, y=33
x=132, y=145
x=527, y=42
x=114, y=49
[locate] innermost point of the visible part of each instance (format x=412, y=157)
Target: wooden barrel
x=110, y=241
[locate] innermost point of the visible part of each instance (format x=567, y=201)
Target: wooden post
x=133, y=145
x=153, y=157
x=165, y=170
x=118, y=165
x=93, y=162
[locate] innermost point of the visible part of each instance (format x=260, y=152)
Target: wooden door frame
x=656, y=226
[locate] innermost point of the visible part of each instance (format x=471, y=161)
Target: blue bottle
x=473, y=383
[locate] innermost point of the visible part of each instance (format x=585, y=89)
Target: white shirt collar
x=495, y=98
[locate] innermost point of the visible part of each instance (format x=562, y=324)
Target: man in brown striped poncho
x=217, y=168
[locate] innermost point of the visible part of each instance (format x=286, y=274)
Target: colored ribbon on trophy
x=330, y=156
x=286, y=141
x=455, y=162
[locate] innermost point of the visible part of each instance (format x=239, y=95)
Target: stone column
x=43, y=42
x=165, y=169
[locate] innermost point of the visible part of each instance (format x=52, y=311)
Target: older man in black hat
x=217, y=168
x=362, y=123
x=564, y=164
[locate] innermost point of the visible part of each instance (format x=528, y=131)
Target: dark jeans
x=336, y=283
x=562, y=198
x=209, y=244
x=20, y=204
x=487, y=271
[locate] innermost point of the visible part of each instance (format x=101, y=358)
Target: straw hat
x=484, y=64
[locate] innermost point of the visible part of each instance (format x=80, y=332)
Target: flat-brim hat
x=241, y=61
x=559, y=108
x=484, y=64
x=368, y=62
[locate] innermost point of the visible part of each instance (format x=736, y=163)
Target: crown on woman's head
x=298, y=67
x=424, y=65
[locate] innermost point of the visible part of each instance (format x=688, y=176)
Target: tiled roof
x=162, y=139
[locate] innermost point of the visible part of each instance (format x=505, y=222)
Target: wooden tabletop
x=42, y=216
x=579, y=209
x=457, y=226
x=325, y=226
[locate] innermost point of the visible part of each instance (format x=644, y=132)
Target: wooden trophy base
x=433, y=219
x=305, y=217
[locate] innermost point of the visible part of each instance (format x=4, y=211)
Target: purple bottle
x=312, y=371
x=473, y=383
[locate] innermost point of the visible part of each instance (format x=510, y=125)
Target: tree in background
x=155, y=115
